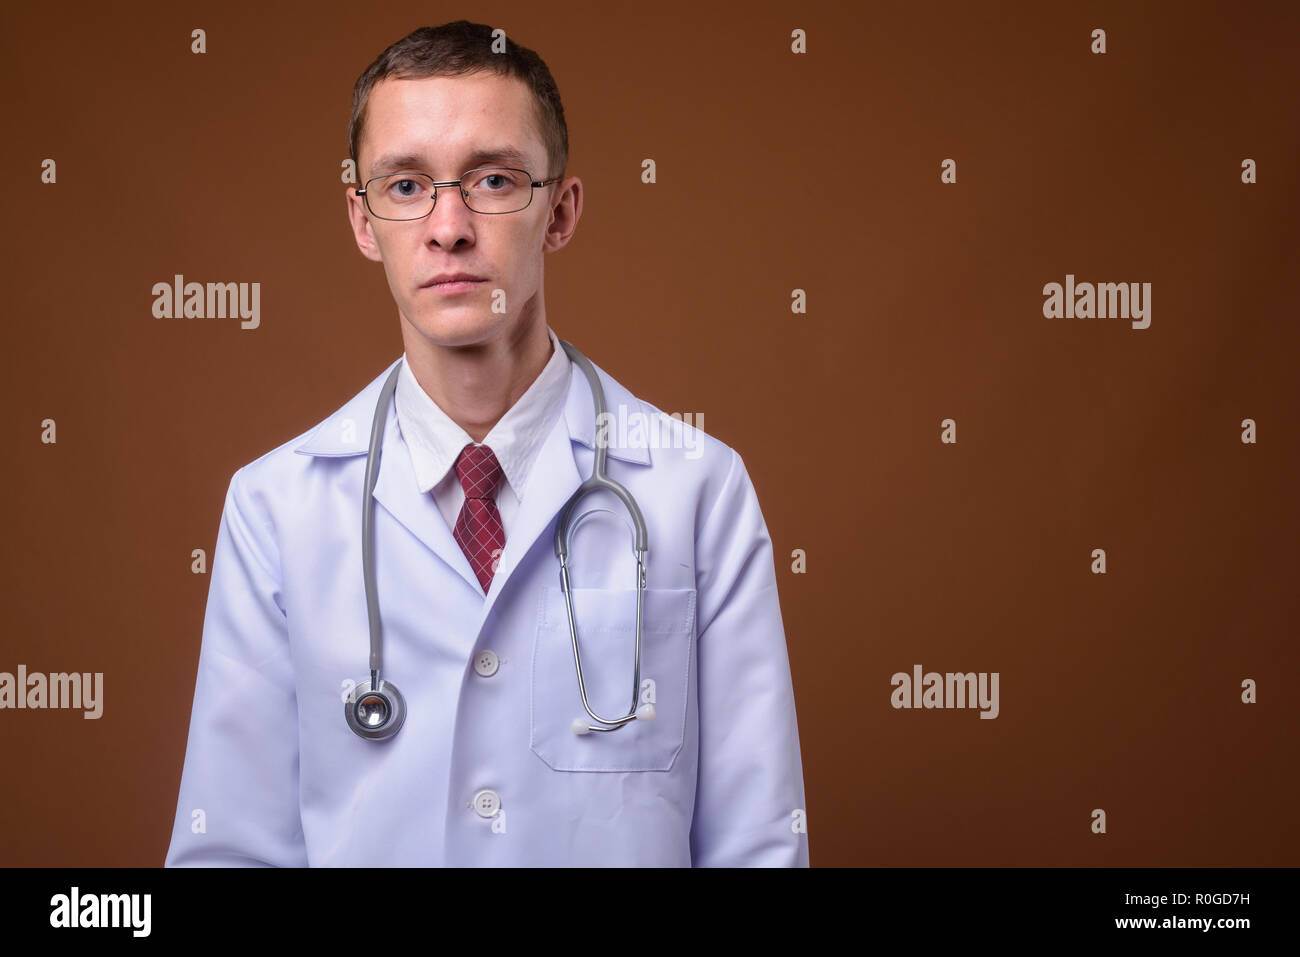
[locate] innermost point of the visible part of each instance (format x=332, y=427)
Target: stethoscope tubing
x=376, y=709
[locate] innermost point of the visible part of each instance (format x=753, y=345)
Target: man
x=492, y=431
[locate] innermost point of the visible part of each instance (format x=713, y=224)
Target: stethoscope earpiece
x=644, y=713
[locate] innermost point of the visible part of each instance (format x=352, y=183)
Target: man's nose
x=450, y=219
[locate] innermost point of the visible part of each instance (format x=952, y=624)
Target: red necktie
x=478, y=527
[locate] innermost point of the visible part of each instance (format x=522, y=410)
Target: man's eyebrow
x=391, y=162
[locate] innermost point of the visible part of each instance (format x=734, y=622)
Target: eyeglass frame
x=364, y=191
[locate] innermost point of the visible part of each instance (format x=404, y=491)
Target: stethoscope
x=374, y=708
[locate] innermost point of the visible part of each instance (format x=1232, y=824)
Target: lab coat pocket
x=606, y=626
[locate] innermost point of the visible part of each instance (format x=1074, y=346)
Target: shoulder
x=683, y=456
x=279, y=478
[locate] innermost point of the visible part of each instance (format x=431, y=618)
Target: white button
x=486, y=803
x=486, y=663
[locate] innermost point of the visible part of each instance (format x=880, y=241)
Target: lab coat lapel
x=553, y=479
x=555, y=476
x=397, y=492
x=347, y=434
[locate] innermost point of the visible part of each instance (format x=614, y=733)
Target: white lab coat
x=273, y=775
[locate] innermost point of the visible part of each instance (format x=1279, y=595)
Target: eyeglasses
x=410, y=195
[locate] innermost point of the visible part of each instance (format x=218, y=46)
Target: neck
x=476, y=384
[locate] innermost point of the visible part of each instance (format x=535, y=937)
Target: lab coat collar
x=553, y=480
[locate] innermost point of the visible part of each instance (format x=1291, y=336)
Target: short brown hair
x=457, y=49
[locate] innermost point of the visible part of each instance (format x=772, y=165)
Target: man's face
x=436, y=125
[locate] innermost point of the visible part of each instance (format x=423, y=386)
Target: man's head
x=432, y=103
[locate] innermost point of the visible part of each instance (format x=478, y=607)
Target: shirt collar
x=346, y=432
x=436, y=441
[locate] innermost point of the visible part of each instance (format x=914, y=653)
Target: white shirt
x=436, y=441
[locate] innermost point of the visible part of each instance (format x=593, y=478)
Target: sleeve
x=749, y=802
x=238, y=803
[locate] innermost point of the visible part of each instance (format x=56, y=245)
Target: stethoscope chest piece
x=375, y=714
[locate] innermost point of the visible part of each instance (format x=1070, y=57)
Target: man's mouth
x=453, y=283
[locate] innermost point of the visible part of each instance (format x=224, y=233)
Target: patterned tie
x=478, y=527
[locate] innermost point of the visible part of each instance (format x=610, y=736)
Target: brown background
x=775, y=172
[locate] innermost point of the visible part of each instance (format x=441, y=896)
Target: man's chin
x=451, y=328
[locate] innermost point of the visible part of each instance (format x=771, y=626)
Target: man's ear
x=564, y=214
x=361, y=230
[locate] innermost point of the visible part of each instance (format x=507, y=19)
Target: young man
x=498, y=760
